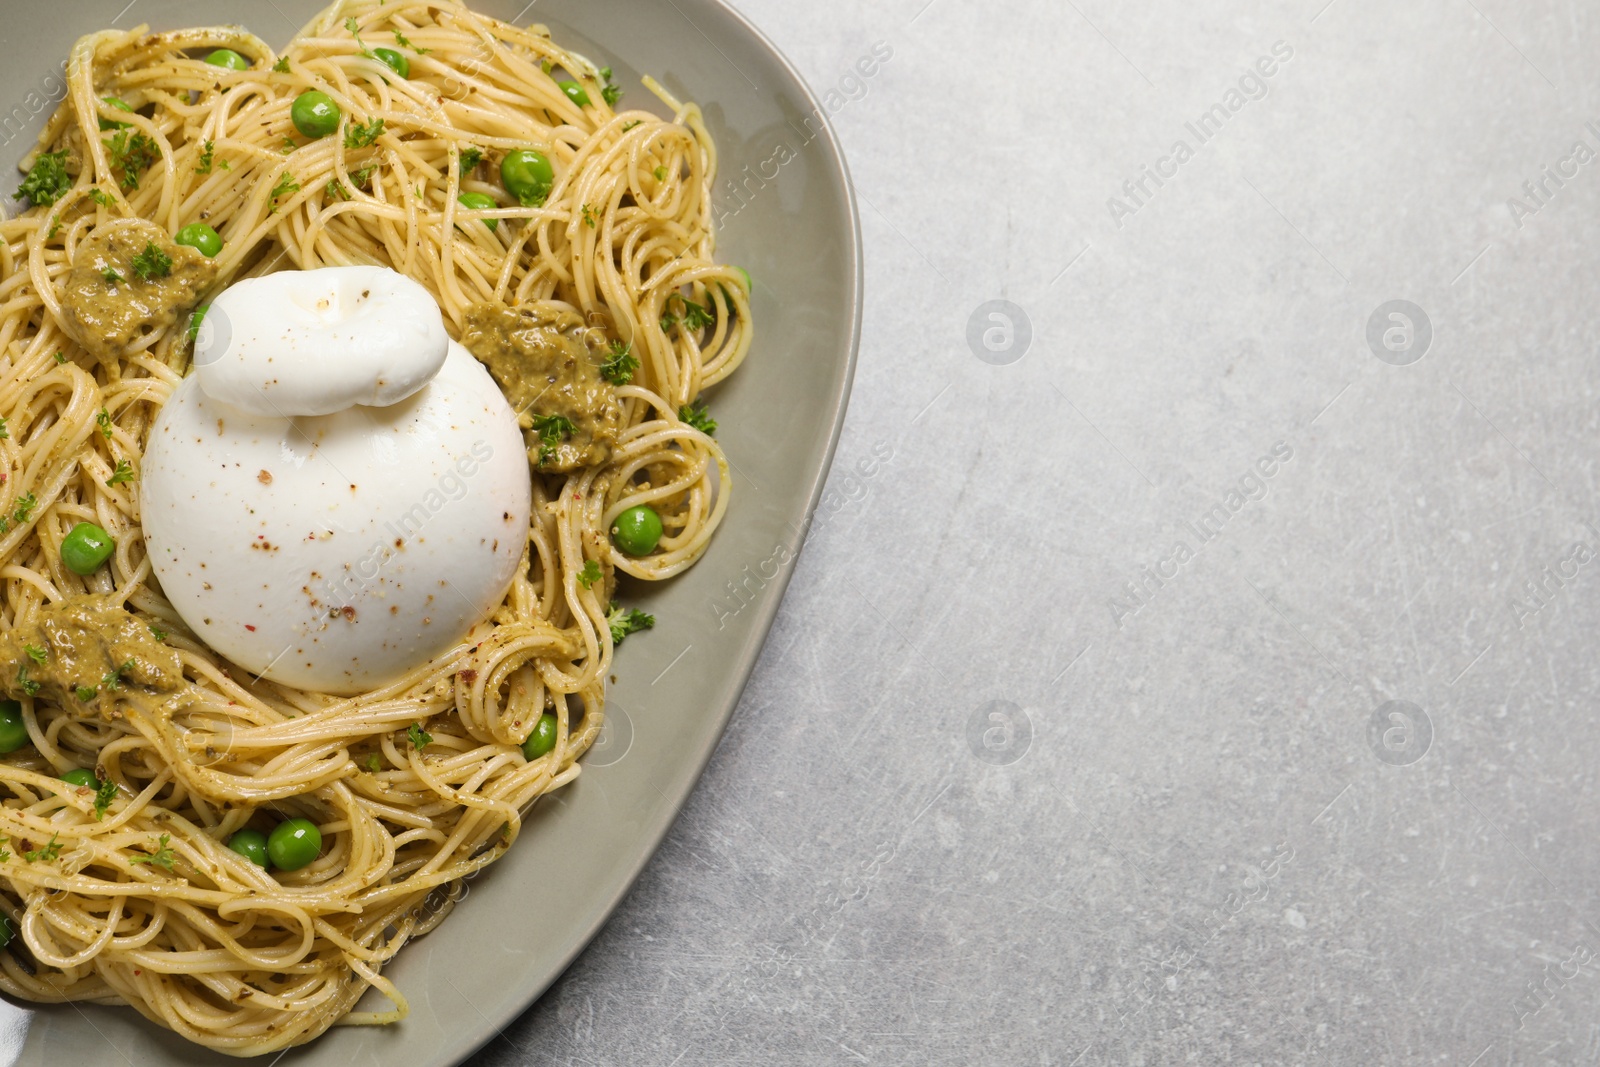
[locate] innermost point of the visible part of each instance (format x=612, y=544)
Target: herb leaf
x=113, y=681
x=286, y=185
x=420, y=738
x=590, y=574
x=471, y=156
x=103, y=798
x=618, y=370
x=404, y=42
x=38, y=655
x=623, y=623
x=51, y=851
x=552, y=430
x=282, y=65
x=85, y=693
x=161, y=857
x=355, y=31
x=48, y=180
x=697, y=416
x=123, y=473
x=152, y=263
x=611, y=93
x=132, y=151
x=207, y=158
x=361, y=136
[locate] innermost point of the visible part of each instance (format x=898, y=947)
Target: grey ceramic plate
x=793, y=225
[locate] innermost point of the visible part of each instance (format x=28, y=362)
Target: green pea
x=394, y=61
x=119, y=105
x=527, y=175
x=82, y=778
x=86, y=548
x=199, y=235
x=637, y=530
x=314, y=114
x=252, y=845
x=575, y=93
x=293, y=844
x=13, y=732
x=227, y=57
x=480, y=202
x=543, y=738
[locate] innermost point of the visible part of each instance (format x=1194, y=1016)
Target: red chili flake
x=469, y=676
x=247, y=626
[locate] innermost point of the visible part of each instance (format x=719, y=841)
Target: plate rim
x=658, y=826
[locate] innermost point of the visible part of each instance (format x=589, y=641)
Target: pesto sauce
x=108, y=316
x=86, y=641
x=548, y=364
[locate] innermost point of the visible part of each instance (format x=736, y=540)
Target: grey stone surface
x=982, y=805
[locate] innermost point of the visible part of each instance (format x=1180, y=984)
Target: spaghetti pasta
x=128, y=893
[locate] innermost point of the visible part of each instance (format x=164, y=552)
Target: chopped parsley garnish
x=133, y=152
x=26, y=684
x=113, y=681
x=286, y=185
x=697, y=416
x=623, y=623
x=355, y=31
x=361, y=136
x=103, y=420
x=103, y=797
x=5, y=854
x=207, y=158
x=626, y=126
x=404, y=42
x=55, y=227
x=100, y=196
x=25, y=507
x=661, y=174
x=552, y=430
x=420, y=738
x=48, y=853
x=590, y=574
x=282, y=65
x=110, y=274
x=38, y=655
x=471, y=156
x=619, y=368
x=374, y=763
x=288, y=144
x=85, y=693
x=696, y=317
x=48, y=180
x=123, y=473
x=61, y=357
x=611, y=93
x=199, y=317
x=161, y=857
x=4, y=433
x=158, y=633
x=152, y=263
x=591, y=218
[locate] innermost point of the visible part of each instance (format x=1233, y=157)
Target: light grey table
x=1319, y=785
